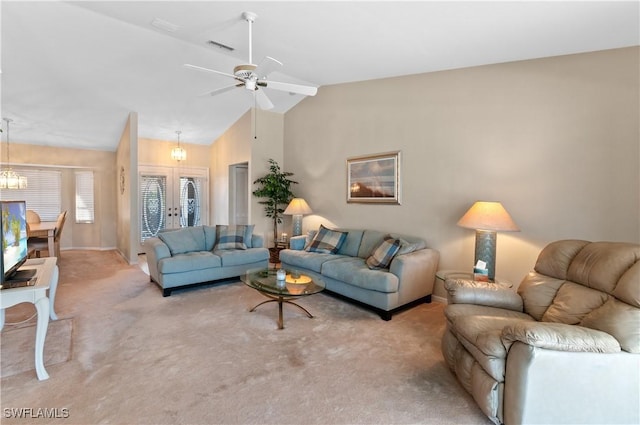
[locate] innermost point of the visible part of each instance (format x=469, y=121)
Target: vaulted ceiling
x=72, y=71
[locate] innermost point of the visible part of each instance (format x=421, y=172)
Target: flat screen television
x=13, y=221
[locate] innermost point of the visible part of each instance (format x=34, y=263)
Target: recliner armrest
x=465, y=291
x=559, y=337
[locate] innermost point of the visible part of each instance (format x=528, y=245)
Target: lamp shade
x=297, y=206
x=485, y=215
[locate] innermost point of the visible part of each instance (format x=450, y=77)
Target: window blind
x=43, y=192
x=84, y=197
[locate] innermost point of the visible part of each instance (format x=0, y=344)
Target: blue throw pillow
x=327, y=241
x=384, y=253
x=230, y=237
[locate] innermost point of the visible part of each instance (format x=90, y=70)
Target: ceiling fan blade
x=220, y=90
x=199, y=68
x=267, y=66
x=292, y=88
x=263, y=100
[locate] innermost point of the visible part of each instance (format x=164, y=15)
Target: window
x=84, y=196
x=43, y=193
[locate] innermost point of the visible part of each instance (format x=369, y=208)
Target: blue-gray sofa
x=196, y=255
x=408, y=280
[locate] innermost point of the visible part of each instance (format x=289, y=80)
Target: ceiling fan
x=254, y=77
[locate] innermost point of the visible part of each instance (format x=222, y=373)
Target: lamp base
x=486, y=250
x=297, y=225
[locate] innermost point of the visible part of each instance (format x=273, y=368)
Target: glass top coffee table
x=282, y=291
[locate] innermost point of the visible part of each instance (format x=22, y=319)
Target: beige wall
x=244, y=143
x=158, y=152
x=127, y=193
x=99, y=234
x=556, y=140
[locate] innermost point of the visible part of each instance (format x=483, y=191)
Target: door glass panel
x=190, y=201
x=153, y=190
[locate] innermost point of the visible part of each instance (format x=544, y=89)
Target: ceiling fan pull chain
x=255, y=117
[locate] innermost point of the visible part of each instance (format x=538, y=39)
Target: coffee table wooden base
x=280, y=300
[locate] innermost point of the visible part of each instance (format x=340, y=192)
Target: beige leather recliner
x=563, y=349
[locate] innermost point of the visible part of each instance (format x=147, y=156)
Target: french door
x=171, y=197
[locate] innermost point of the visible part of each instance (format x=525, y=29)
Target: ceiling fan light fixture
x=244, y=71
x=254, y=77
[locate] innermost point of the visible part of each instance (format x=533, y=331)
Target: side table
x=46, y=273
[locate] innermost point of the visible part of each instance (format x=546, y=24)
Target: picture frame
x=374, y=179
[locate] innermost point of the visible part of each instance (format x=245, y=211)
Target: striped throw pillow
x=384, y=253
x=230, y=237
x=327, y=241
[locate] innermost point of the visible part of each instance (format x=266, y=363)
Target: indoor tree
x=275, y=187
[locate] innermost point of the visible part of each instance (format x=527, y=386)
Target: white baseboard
x=439, y=299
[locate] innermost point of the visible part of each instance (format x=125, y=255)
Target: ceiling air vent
x=220, y=45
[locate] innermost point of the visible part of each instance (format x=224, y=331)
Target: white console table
x=46, y=275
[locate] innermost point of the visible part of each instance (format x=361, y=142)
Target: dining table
x=44, y=229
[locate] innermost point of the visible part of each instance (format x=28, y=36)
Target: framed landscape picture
x=374, y=179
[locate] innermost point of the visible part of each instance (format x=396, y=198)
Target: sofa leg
x=166, y=292
x=385, y=315
x=427, y=299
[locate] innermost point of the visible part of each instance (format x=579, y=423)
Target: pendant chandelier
x=177, y=153
x=9, y=179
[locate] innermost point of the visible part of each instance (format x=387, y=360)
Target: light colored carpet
x=18, y=342
x=200, y=357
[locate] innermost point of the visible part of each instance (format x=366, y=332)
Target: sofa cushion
x=239, y=257
x=457, y=310
x=354, y=271
x=327, y=241
x=618, y=319
x=209, y=237
x=248, y=235
x=370, y=241
x=572, y=303
x=599, y=265
x=187, y=239
x=351, y=244
x=197, y=260
x=384, y=253
x=537, y=292
x=230, y=237
x=307, y=260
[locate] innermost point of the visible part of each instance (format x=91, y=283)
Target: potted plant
x=275, y=187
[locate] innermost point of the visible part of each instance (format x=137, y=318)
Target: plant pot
x=274, y=255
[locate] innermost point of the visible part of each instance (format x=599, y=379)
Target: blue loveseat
x=196, y=255
x=408, y=280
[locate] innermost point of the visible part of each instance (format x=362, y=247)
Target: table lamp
x=487, y=218
x=297, y=208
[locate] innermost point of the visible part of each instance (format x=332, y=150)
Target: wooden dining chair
x=42, y=244
x=32, y=217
